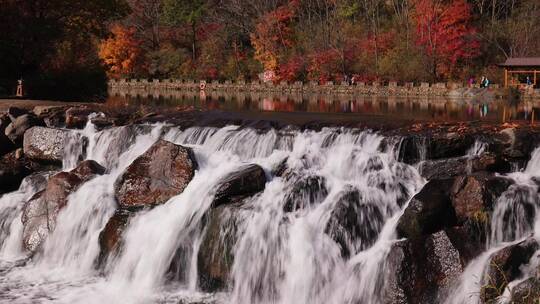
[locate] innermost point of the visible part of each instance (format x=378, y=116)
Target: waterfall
x=512, y=220
x=290, y=243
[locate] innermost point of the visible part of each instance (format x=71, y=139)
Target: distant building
x=516, y=71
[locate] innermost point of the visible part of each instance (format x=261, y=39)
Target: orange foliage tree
x=445, y=33
x=274, y=35
x=121, y=53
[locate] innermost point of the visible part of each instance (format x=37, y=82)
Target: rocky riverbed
x=373, y=213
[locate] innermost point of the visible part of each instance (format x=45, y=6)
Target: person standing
x=19, y=88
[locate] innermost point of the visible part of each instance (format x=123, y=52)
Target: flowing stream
x=284, y=244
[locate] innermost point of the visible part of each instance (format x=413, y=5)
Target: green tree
x=185, y=12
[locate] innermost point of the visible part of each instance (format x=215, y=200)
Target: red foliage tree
x=274, y=35
x=445, y=33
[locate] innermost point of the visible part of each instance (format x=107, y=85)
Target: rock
x=473, y=196
x=415, y=148
x=45, y=144
x=160, y=173
x=526, y=292
x=246, y=181
x=354, y=223
x=505, y=266
x=451, y=167
x=102, y=122
x=14, y=113
x=45, y=110
x=111, y=236
x=429, y=211
x=19, y=154
x=306, y=191
x=77, y=117
x=6, y=145
x=15, y=131
x=215, y=257
x=12, y=172
x=53, y=116
x=421, y=271
x=4, y=122
x=40, y=212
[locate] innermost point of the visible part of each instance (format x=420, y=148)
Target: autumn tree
x=274, y=35
x=121, y=53
x=445, y=33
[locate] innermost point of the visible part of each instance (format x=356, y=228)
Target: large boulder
x=215, y=256
x=160, y=173
x=15, y=130
x=45, y=144
x=526, y=292
x=243, y=182
x=40, y=212
x=504, y=267
x=421, y=271
x=354, y=223
x=429, y=211
x=473, y=196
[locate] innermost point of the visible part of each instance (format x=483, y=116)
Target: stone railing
x=391, y=88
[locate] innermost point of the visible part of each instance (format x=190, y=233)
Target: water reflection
x=411, y=108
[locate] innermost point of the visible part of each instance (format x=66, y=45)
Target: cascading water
x=318, y=233
x=512, y=220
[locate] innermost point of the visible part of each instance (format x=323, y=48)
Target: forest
x=70, y=43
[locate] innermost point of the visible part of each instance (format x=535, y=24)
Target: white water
x=509, y=225
x=280, y=257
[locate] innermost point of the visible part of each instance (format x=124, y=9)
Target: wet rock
x=246, y=181
x=40, y=212
x=280, y=169
x=77, y=117
x=15, y=131
x=306, y=191
x=13, y=170
x=505, y=266
x=451, y=167
x=429, y=211
x=14, y=112
x=45, y=144
x=354, y=223
x=111, y=236
x=473, y=196
x=215, y=257
x=102, y=122
x=162, y=172
x=526, y=292
x=421, y=271
x=415, y=148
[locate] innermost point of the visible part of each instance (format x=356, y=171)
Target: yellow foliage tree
x=121, y=53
